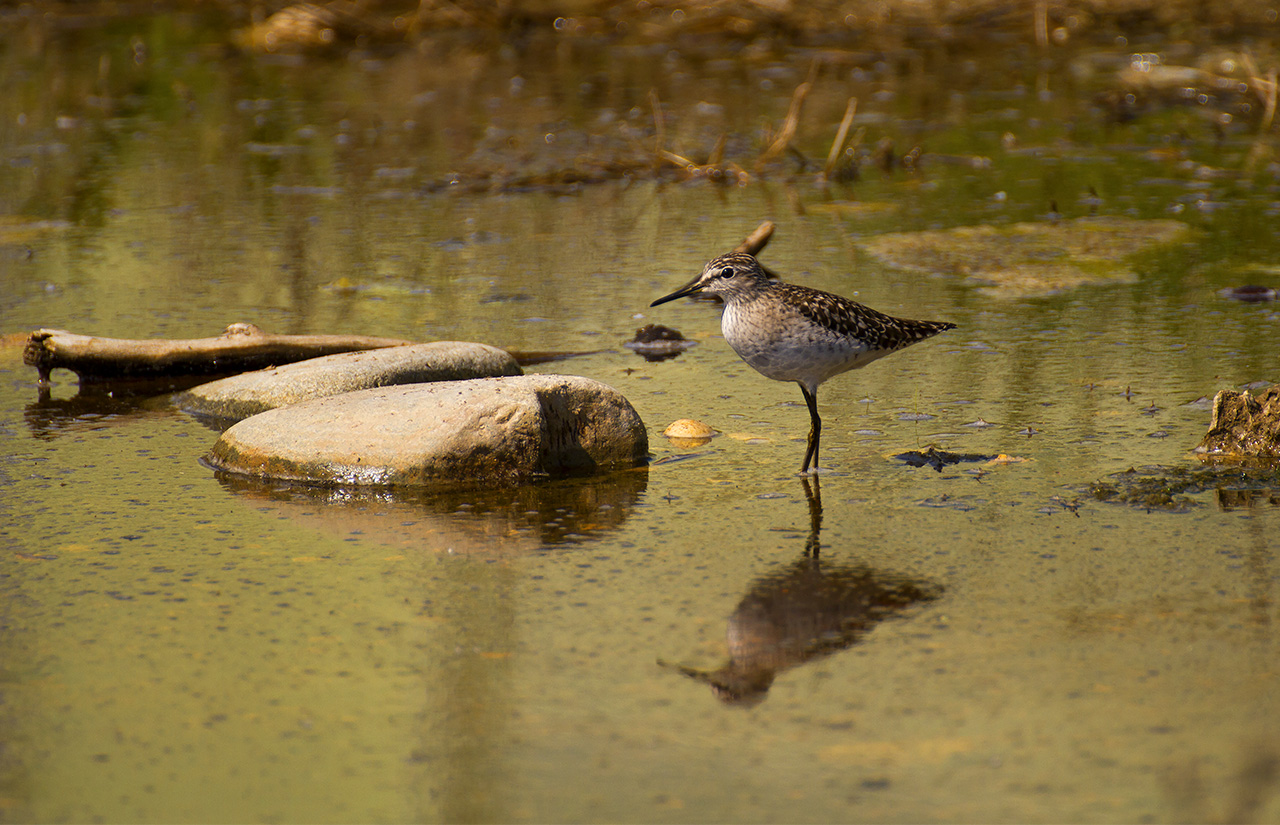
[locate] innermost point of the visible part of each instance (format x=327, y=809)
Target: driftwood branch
x=757, y=240
x=241, y=348
x=789, y=127
x=659, y=125
x=792, y=122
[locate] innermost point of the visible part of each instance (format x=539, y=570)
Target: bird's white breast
x=782, y=344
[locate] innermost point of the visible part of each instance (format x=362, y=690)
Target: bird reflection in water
x=805, y=611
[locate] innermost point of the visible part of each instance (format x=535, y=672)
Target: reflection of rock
x=804, y=611
x=658, y=343
x=1247, y=499
x=241, y=396
x=503, y=430
x=1244, y=425
x=480, y=521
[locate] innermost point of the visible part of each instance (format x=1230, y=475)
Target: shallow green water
x=179, y=647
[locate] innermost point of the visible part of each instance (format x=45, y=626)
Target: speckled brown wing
x=851, y=319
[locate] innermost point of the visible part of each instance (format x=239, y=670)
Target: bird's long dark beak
x=688, y=289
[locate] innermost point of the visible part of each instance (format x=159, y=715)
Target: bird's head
x=732, y=276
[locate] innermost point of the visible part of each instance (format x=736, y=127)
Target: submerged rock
x=241, y=396
x=454, y=433
x=1244, y=425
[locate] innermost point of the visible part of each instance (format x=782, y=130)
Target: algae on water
x=1030, y=259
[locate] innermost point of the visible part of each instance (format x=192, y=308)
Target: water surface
x=183, y=647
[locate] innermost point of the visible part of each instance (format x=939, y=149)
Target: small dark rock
x=658, y=343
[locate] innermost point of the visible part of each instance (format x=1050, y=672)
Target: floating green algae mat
x=1030, y=259
x=1170, y=489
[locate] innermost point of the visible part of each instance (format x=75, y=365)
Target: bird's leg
x=815, y=431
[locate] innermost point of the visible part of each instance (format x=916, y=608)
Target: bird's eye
x=727, y=272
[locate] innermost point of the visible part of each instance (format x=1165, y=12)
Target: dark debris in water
x=658, y=343
x=506, y=298
x=937, y=459
x=1249, y=294
x=1170, y=489
x=649, y=333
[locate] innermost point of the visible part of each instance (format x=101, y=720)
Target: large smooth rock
x=504, y=430
x=241, y=396
x=1244, y=425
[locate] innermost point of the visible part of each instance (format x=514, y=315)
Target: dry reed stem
x=838, y=144
x=1042, y=23
x=717, y=151
x=792, y=123
x=659, y=124
x=676, y=160
x=1264, y=88
x=1269, y=101
x=783, y=140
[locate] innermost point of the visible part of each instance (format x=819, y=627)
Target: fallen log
x=241, y=348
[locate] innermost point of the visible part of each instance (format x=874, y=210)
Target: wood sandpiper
x=793, y=333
